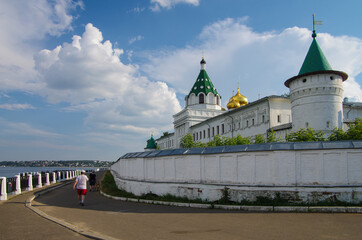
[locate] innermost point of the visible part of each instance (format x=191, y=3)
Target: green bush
x=259, y=139
x=305, y=135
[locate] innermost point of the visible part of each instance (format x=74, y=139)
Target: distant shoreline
x=57, y=163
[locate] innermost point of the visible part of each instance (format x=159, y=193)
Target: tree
x=259, y=139
x=355, y=130
x=272, y=137
x=187, y=141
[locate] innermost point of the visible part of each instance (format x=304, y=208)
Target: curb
x=79, y=230
x=276, y=209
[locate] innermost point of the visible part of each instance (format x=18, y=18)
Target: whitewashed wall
x=307, y=175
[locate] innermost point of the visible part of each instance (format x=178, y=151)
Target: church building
x=315, y=101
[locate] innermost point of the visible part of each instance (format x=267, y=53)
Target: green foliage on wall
x=303, y=135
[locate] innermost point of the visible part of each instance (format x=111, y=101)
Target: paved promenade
x=111, y=219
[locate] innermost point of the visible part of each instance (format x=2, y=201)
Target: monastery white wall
x=330, y=170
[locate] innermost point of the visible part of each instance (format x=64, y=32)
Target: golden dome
x=241, y=99
x=233, y=103
x=237, y=101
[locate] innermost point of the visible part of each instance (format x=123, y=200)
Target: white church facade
x=315, y=101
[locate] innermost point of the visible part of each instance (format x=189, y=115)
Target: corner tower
x=316, y=93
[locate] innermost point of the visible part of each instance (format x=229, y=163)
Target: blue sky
x=93, y=79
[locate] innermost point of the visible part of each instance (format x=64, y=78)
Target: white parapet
x=39, y=181
x=314, y=171
x=30, y=182
x=3, y=194
x=17, y=184
x=47, y=181
x=54, y=177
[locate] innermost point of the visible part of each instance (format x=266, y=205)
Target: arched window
x=217, y=100
x=201, y=99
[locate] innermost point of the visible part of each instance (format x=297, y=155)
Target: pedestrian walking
x=92, y=181
x=81, y=184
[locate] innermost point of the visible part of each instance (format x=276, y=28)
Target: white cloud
x=134, y=39
x=168, y=4
x=22, y=22
x=137, y=10
x=260, y=62
x=16, y=106
x=89, y=75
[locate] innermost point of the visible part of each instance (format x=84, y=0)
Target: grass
x=109, y=187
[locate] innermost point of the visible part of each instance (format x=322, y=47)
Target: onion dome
x=203, y=83
x=242, y=100
x=151, y=143
x=233, y=103
x=315, y=62
x=237, y=101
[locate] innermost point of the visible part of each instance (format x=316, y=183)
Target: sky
x=94, y=79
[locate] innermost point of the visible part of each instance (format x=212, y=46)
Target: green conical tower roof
x=315, y=60
x=203, y=83
x=151, y=143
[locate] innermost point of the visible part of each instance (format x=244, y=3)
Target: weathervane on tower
x=315, y=22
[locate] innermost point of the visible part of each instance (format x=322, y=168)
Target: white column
x=59, y=176
x=17, y=184
x=30, y=182
x=66, y=175
x=47, y=182
x=39, y=181
x=3, y=194
x=54, y=177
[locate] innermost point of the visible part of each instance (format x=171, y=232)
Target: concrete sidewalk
x=113, y=219
x=19, y=222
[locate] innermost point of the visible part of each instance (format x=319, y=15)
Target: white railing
x=14, y=185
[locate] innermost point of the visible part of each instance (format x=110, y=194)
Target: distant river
x=12, y=171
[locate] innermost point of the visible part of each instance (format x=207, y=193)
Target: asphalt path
x=129, y=220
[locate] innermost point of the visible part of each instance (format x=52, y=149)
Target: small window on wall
x=222, y=129
x=307, y=124
x=217, y=130
x=200, y=135
x=217, y=100
x=204, y=134
x=263, y=119
x=252, y=121
x=213, y=131
x=279, y=119
x=328, y=124
x=201, y=99
x=208, y=132
x=247, y=123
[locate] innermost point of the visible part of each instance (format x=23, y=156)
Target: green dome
x=315, y=60
x=151, y=143
x=203, y=84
